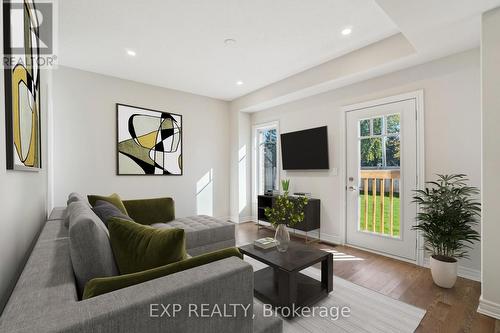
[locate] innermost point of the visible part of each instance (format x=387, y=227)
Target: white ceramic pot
x=444, y=273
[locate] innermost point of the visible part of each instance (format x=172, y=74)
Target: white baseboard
x=232, y=219
x=489, y=308
x=465, y=272
x=381, y=253
x=334, y=239
x=469, y=273
x=238, y=219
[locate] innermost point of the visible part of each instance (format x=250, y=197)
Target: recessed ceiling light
x=131, y=53
x=229, y=41
x=347, y=31
x=239, y=83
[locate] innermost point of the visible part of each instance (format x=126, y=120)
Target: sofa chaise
x=203, y=233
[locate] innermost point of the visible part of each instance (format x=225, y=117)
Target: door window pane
x=364, y=127
x=371, y=152
x=392, y=151
x=377, y=126
x=393, y=124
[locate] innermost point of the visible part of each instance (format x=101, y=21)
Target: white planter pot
x=443, y=273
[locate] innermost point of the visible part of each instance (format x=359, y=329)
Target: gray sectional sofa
x=45, y=298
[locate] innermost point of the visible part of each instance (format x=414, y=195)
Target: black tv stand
x=311, y=214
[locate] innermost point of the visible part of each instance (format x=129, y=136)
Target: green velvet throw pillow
x=113, y=199
x=138, y=247
x=99, y=286
x=149, y=211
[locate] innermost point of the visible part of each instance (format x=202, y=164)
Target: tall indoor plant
x=448, y=212
x=286, y=211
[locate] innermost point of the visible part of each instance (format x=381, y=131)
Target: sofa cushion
x=106, y=210
x=101, y=286
x=53, y=230
x=201, y=230
x=113, y=199
x=137, y=247
x=45, y=286
x=58, y=213
x=90, y=249
x=266, y=324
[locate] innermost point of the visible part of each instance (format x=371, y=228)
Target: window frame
x=256, y=159
x=259, y=153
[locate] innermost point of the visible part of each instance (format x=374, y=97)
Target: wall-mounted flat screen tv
x=305, y=150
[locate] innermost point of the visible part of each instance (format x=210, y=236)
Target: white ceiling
x=434, y=29
x=440, y=27
x=180, y=43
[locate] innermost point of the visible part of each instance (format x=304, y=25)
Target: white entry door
x=381, y=177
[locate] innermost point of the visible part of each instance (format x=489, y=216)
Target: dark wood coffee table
x=281, y=284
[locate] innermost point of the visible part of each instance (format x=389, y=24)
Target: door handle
x=352, y=188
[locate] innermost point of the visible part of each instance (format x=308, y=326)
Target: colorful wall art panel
x=22, y=86
x=149, y=141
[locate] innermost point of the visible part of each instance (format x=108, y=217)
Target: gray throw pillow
x=90, y=249
x=106, y=210
x=73, y=197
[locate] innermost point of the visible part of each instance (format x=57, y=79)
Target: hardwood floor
x=448, y=310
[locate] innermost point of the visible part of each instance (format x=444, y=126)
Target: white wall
x=240, y=160
x=85, y=140
x=452, y=128
x=234, y=144
x=490, y=48
x=23, y=198
x=245, y=167
x=355, y=66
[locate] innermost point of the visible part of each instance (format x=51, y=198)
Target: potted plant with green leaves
x=449, y=210
x=285, y=185
x=286, y=211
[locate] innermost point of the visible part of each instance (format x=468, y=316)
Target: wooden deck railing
x=375, y=176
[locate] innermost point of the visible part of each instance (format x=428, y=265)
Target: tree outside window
x=380, y=145
x=268, y=139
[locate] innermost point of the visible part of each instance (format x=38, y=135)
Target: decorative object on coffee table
x=448, y=211
x=282, y=237
x=282, y=284
x=286, y=211
x=265, y=243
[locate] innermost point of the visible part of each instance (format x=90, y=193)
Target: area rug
x=370, y=311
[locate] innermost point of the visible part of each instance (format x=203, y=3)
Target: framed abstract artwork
x=22, y=86
x=149, y=141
